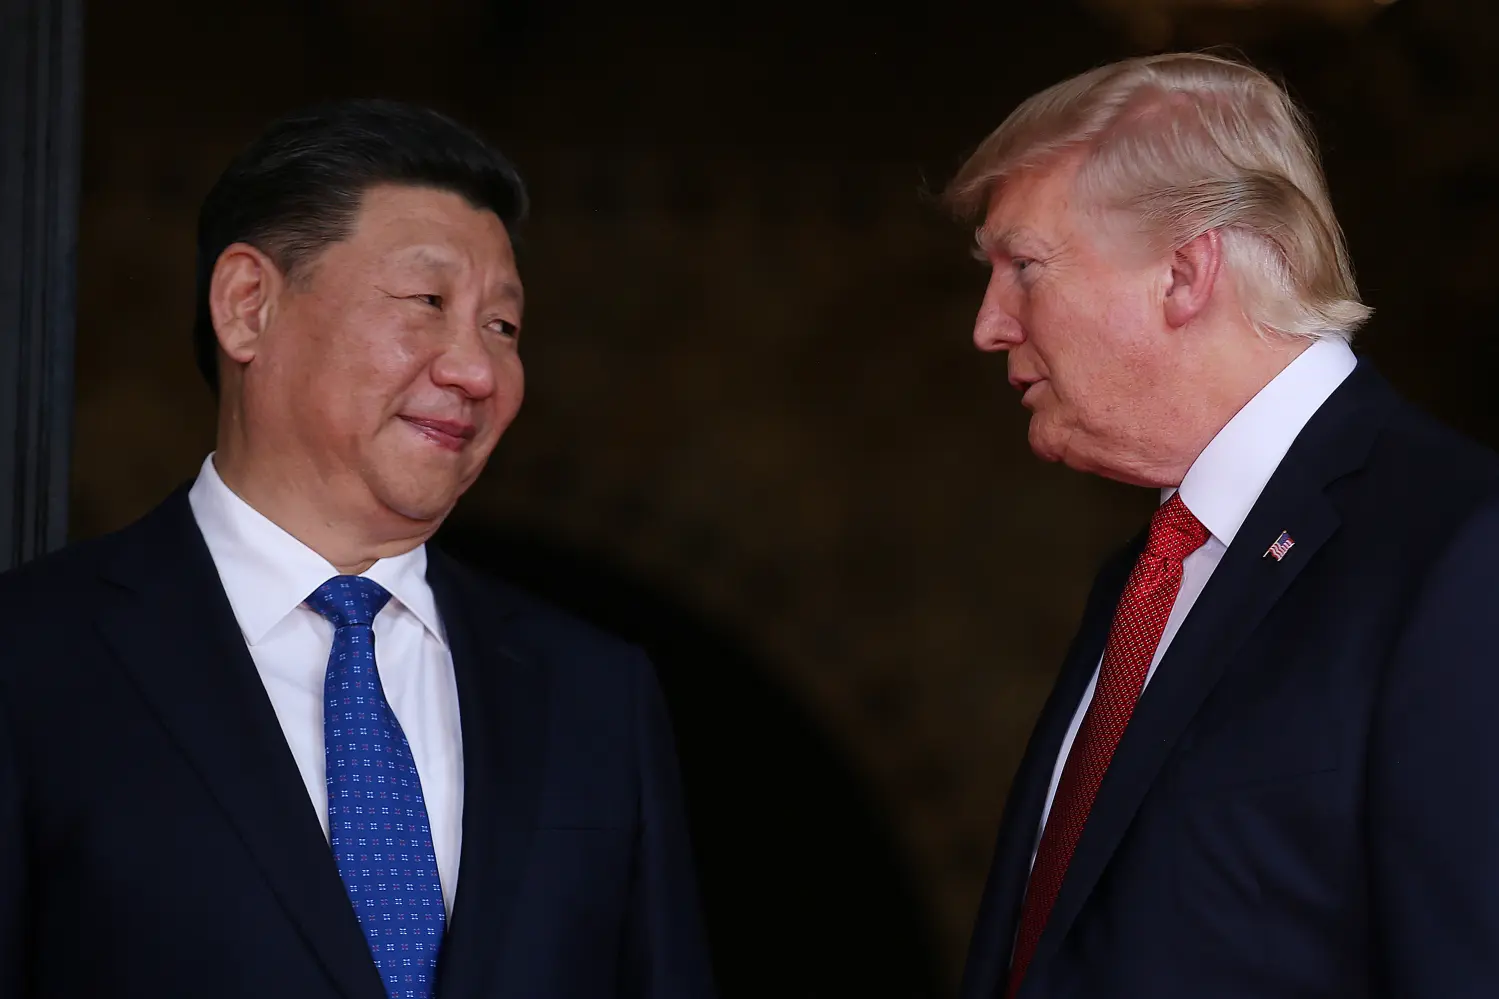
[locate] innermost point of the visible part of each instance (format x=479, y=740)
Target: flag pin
x=1278, y=550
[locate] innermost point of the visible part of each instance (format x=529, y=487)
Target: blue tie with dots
x=377, y=820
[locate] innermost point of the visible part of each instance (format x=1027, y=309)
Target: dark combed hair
x=298, y=187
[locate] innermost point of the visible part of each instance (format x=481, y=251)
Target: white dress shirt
x=1223, y=484
x=267, y=574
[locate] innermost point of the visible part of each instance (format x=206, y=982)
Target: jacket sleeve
x=1433, y=783
x=666, y=953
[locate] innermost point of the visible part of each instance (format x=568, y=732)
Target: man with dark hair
x=266, y=741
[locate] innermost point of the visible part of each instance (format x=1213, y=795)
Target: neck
x=300, y=502
x=1218, y=383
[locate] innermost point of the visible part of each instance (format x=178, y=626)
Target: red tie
x=1139, y=622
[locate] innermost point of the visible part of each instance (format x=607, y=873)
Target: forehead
x=431, y=229
x=1041, y=203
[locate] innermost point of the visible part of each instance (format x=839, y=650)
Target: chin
x=1042, y=446
x=420, y=483
x=418, y=502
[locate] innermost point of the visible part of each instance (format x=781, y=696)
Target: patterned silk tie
x=1139, y=622
x=377, y=820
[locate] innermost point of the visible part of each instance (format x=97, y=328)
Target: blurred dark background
x=756, y=437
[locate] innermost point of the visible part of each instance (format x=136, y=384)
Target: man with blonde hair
x=1258, y=773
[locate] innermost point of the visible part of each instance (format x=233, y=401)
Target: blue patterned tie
x=377, y=820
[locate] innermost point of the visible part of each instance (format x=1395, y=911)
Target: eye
x=505, y=328
x=1021, y=264
x=433, y=300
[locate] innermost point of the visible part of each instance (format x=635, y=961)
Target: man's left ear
x=1194, y=272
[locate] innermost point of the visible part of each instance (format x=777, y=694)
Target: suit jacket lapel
x=1010, y=872
x=1243, y=589
x=503, y=707
x=174, y=632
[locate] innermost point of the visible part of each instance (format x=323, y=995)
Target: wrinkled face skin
x=386, y=369
x=1078, y=308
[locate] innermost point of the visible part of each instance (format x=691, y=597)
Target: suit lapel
x=1242, y=591
x=175, y=634
x=503, y=708
x=1020, y=826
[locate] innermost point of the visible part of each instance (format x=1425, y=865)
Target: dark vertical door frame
x=41, y=44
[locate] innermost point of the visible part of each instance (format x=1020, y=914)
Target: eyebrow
x=986, y=238
x=424, y=256
x=512, y=291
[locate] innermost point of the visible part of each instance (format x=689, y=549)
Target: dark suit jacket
x=156, y=838
x=1306, y=800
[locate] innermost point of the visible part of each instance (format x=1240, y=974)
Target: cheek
x=378, y=365
x=1081, y=355
x=509, y=391
x=354, y=350
x=510, y=379
x=1065, y=335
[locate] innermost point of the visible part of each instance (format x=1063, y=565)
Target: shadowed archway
x=804, y=892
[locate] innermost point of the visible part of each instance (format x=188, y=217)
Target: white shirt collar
x=1228, y=476
x=267, y=573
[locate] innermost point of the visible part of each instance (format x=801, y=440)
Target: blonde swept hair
x=1187, y=143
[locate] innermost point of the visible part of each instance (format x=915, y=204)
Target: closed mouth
x=450, y=434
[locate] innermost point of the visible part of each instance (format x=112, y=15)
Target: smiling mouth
x=448, y=434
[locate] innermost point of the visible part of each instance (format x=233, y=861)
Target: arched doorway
x=804, y=891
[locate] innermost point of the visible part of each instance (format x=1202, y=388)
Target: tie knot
x=1174, y=532
x=349, y=601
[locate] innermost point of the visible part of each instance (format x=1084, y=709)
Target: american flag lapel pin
x=1278, y=550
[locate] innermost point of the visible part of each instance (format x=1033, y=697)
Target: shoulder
x=1416, y=441
x=46, y=609
x=1470, y=559
x=1414, y=476
x=528, y=621
x=1423, y=510
x=156, y=540
x=63, y=589
x=595, y=680
x=58, y=578
x=1446, y=645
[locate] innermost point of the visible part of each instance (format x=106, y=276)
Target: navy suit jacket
x=1306, y=800
x=156, y=838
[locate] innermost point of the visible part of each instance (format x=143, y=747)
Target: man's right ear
x=241, y=296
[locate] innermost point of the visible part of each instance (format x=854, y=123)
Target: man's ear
x=241, y=297
x=1195, y=268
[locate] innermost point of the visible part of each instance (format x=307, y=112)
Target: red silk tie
x=1139, y=622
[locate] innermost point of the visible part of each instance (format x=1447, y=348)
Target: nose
x=466, y=365
x=996, y=327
